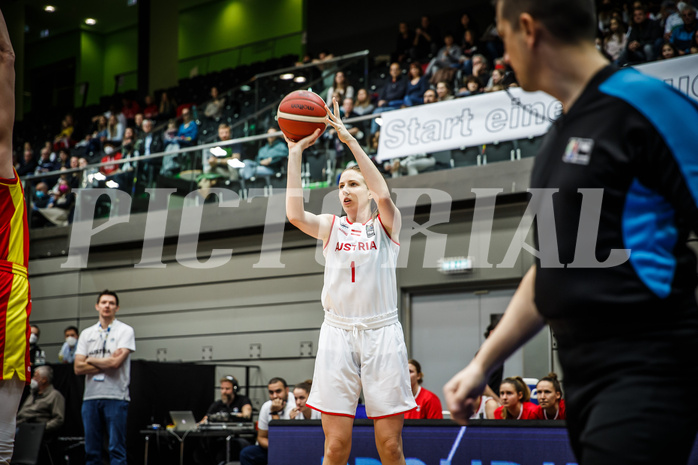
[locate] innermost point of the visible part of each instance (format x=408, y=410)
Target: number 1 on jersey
x=353, y=273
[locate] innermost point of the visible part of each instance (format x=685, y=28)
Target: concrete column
x=158, y=44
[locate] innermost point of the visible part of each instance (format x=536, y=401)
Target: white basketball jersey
x=360, y=261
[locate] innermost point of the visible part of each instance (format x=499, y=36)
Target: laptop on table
x=183, y=420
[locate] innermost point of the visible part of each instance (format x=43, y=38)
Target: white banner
x=494, y=117
x=465, y=122
x=681, y=73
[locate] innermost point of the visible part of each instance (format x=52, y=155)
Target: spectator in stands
x=67, y=352
x=62, y=202
x=465, y=23
x=486, y=407
x=188, y=133
x=471, y=86
x=270, y=158
x=220, y=165
x=40, y=199
x=64, y=138
x=102, y=128
x=44, y=404
x=428, y=404
x=63, y=158
x=45, y=165
x=37, y=356
x=148, y=143
x=694, y=43
x=515, y=396
x=28, y=163
x=443, y=91
x=278, y=407
x=301, y=411
x=643, y=39
x=551, y=405
x=138, y=124
x=670, y=18
x=129, y=108
x=168, y=106
x=416, y=86
x=74, y=178
x=150, y=108
x=426, y=40
x=392, y=95
x=497, y=78
x=668, y=51
x=115, y=129
x=682, y=36
x=340, y=89
x=363, y=105
x=214, y=108
x=429, y=96
x=604, y=15
x=403, y=43
x=469, y=45
x=478, y=66
x=110, y=155
x=449, y=56
x=615, y=40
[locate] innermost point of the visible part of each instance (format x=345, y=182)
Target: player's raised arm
x=390, y=215
x=317, y=226
x=7, y=100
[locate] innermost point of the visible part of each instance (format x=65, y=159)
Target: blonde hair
x=356, y=168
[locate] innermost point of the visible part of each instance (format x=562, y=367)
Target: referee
x=620, y=298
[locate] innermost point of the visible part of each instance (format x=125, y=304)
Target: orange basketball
x=300, y=113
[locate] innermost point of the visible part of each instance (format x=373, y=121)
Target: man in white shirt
x=104, y=356
x=278, y=407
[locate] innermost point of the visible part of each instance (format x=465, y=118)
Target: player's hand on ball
x=462, y=391
x=335, y=121
x=303, y=143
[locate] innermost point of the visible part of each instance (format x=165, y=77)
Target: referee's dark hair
x=108, y=292
x=570, y=21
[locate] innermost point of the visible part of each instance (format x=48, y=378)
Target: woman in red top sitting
x=515, y=396
x=428, y=404
x=551, y=406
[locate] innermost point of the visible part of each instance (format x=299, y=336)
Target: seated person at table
x=551, y=405
x=278, y=407
x=515, y=396
x=232, y=406
x=301, y=411
x=428, y=405
x=44, y=404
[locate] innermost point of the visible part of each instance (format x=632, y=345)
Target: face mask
x=33, y=339
x=71, y=341
x=34, y=384
x=108, y=150
x=40, y=194
x=63, y=189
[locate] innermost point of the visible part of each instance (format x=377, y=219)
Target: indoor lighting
x=50, y=8
x=286, y=76
x=235, y=163
x=299, y=79
x=218, y=152
x=112, y=184
x=90, y=21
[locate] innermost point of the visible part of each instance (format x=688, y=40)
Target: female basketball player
x=361, y=341
x=551, y=406
x=515, y=397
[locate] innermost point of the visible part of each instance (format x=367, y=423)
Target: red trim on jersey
x=330, y=236
x=386, y=230
x=329, y=413
x=12, y=181
x=4, y=301
x=362, y=224
x=392, y=414
x=7, y=211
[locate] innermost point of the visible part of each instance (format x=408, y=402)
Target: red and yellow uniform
x=15, y=297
